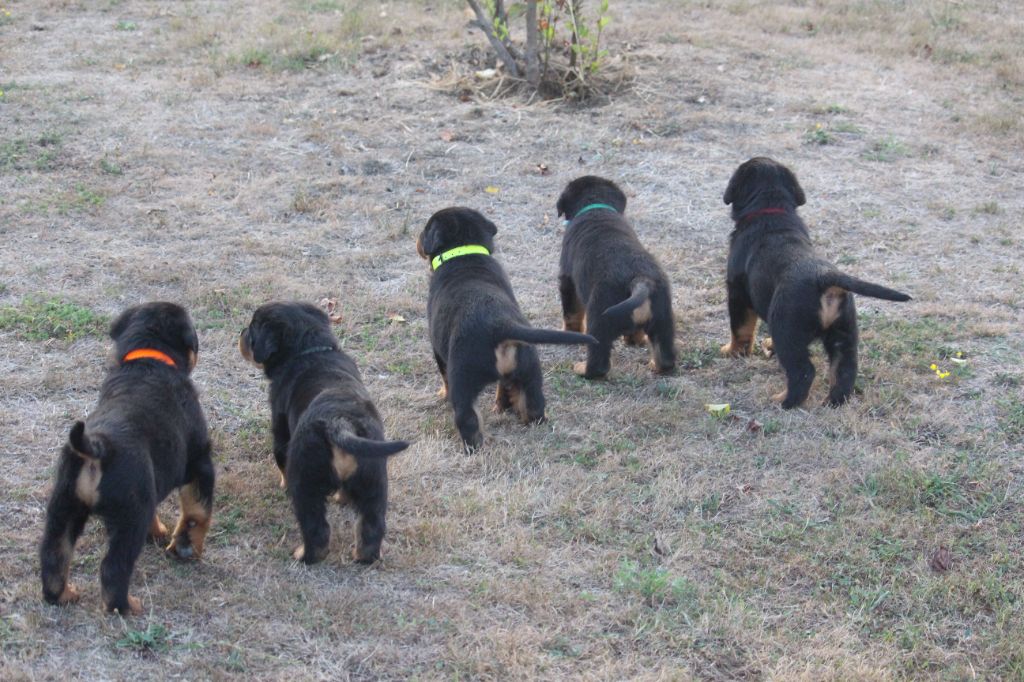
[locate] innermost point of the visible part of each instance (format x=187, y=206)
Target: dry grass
x=145, y=153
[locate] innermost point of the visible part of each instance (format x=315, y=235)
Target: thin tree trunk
x=532, y=58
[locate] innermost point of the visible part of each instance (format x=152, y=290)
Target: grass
x=51, y=318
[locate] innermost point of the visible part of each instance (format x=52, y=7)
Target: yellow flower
x=933, y=366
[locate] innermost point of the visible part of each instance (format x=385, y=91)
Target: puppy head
x=280, y=330
x=456, y=226
x=165, y=327
x=589, y=189
x=764, y=179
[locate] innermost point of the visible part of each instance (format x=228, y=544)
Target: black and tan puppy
x=477, y=331
x=775, y=275
x=608, y=282
x=146, y=437
x=328, y=436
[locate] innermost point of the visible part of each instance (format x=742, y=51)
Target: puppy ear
x=490, y=227
x=793, y=186
x=730, y=191
x=562, y=204
x=430, y=239
x=118, y=326
x=263, y=345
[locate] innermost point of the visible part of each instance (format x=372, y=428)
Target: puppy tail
x=639, y=293
x=531, y=335
x=364, y=447
x=83, y=446
x=859, y=286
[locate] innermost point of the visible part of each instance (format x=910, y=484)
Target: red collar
x=149, y=354
x=759, y=213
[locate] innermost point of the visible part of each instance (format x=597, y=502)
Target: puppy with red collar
x=146, y=437
x=774, y=274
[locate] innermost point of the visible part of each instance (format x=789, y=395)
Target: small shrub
x=155, y=638
x=654, y=585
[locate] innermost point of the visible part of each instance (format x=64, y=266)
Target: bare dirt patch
x=225, y=154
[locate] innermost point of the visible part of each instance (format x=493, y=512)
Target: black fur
x=146, y=437
x=328, y=436
x=477, y=331
x=774, y=274
x=607, y=278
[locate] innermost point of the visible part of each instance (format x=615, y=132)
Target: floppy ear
x=490, y=227
x=730, y=191
x=263, y=345
x=118, y=326
x=77, y=438
x=793, y=186
x=430, y=239
x=561, y=205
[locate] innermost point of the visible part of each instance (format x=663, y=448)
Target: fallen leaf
x=718, y=409
x=485, y=74
x=332, y=309
x=543, y=168
x=448, y=135
x=942, y=560
x=754, y=426
x=491, y=189
x=395, y=317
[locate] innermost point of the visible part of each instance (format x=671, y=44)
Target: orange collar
x=149, y=354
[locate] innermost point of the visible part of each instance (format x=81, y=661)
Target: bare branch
x=532, y=65
x=485, y=25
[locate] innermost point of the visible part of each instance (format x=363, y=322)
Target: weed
x=110, y=168
x=819, y=135
x=655, y=586
x=1011, y=419
x=155, y=638
x=41, y=319
x=125, y=25
x=887, y=150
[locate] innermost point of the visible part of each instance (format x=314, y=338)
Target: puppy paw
x=283, y=483
x=157, y=530
x=780, y=396
x=734, y=350
x=299, y=553
x=69, y=595
x=767, y=347
x=662, y=370
x=580, y=368
x=638, y=338
x=134, y=607
x=442, y=393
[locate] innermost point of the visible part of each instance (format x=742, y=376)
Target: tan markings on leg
x=767, y=346
x=781, y=396
x=357, y=542
x=580, y=368
x=87, y=487
x=69, y=595
x=505, y=356
x=194, y=521
x=193, y=358
x=833, y=368
x=657, y=363
x=519, y=405
x=419, y=248
x=575, y=322
x=501, y=399
x=642, y=315
x=246, y=351
x=299, y=552
x=134, y=605
x=157, y=530
x=831, y=302
x=345, y=465
x=637, y=338
x=283, y=483
x=340, y=497
x=742, y=342
x=442, y=392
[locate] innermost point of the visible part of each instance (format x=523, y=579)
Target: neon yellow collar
x=458, y=251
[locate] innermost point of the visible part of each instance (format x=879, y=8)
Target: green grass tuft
x=43, y=319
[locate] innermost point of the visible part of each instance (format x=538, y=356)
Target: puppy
x=477, y=331
x=328, y=436
x=608, y=281
x=146, y=437
x=773, y=274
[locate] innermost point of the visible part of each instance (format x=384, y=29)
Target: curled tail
x=636, y=309
x=84, y=446
x=531, y=335
x=859, y=286
x=341, y=437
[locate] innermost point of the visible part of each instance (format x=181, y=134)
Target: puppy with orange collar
x=146, y=437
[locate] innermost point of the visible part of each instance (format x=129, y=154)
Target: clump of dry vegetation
x=221, y=155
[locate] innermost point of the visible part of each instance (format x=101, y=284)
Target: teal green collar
x=592, y=207
x=459, y=251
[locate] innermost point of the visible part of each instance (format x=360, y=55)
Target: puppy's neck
x=149, y=354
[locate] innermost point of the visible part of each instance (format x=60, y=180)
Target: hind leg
x=796, y=361
x=661, y=332
x=572, y=309
x=442, y=392
x=841, y=345
x=598, y=357
x=309, y=502
x=464, y=386
x=370, y=499
x=126, y=538
x=528, y=398
x=196, y=500
x=65, y=519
